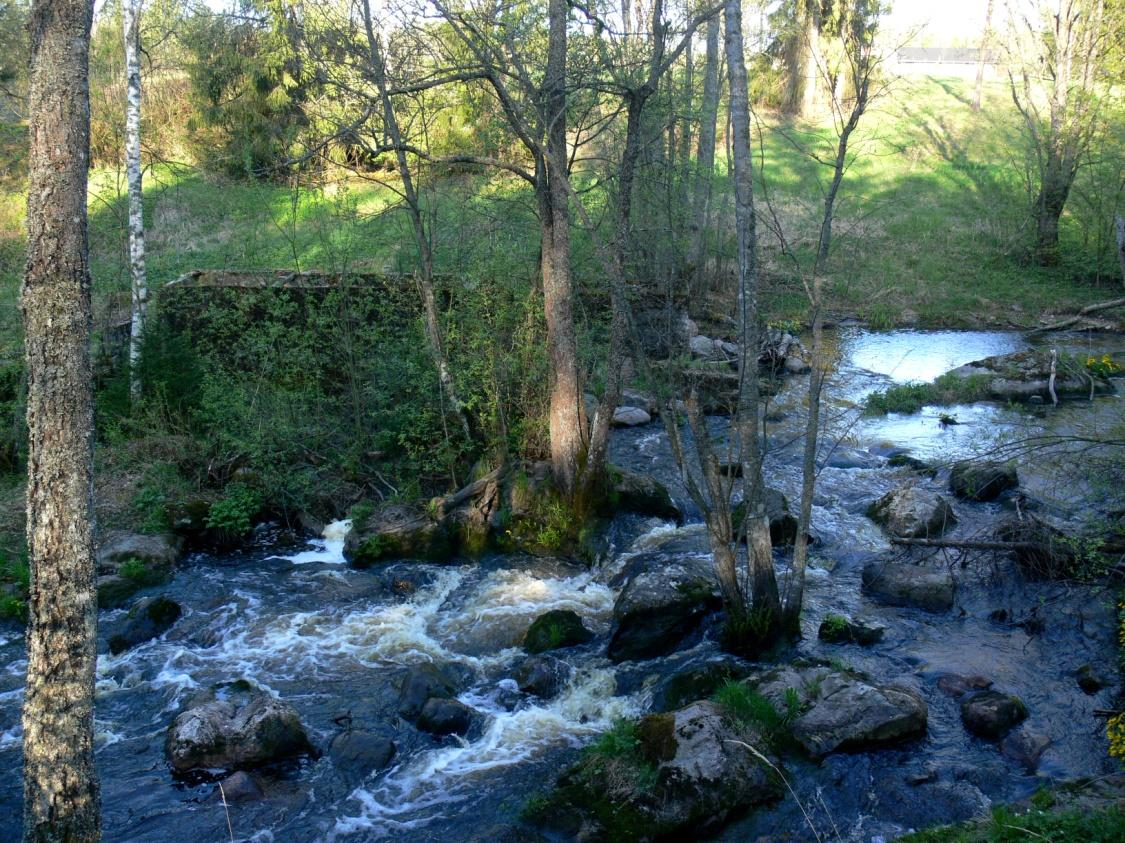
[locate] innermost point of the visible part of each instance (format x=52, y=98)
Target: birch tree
x=985, y=40
x=61, y=792
x=131, y=14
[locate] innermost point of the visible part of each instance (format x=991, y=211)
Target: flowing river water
x=334, y=643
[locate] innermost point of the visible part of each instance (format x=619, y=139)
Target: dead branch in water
x=966, y=544
x=1086, y=311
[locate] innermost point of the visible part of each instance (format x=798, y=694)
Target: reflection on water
x=912, y=356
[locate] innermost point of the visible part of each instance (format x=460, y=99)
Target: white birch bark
x=138, y=280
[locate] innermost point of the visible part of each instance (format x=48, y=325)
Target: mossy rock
x=399, y=531
x=554, y=630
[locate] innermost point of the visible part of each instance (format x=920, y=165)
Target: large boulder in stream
x=447, y=717
x=542, y=676
x=423, y=682
x=148, y=619
x=982, y=481
x=911, y=586
x=912, y=512
x=241, y=728
x=991, y=714
x=555, y=630
x=642, y=494
x=680, y=773
x=660, y=606
x=356, y=752
x=844, y=711
x=1025, y=375
x=398, y=531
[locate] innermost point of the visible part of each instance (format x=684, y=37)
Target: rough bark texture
x=567, y=422
x=705, y=156
x=130, y=13
x=985, y=37
x=425, y=274
x=762, y=579
x=61, y=792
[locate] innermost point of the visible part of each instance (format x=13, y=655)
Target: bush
x=234, y=513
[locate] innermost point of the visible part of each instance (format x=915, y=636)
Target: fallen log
x=967, y=544
x=1086, y=311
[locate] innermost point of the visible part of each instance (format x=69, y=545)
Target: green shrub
x=750, y=710
x=234, y=513
x=140, y=572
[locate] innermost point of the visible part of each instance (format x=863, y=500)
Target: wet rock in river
x=643, y=495
x=904, y=460
x=980, y=482
x=630, y=417
x=957, y=685
x=991, y=714
x=698, y=682
x=909, y=585
x=248, y=729
x=421, y=683
x=837, y=629
x=358, y=752
x=446, y=717
x=657, y=609
x=1026, y=374
x=542, y=676
x=1090, y=680
x=844, y=712
x=690, y=769
x=398, y=531
x=912, y=512
x=149, y=618
x=555, y=630
x=1025, y=747
x=239, y=786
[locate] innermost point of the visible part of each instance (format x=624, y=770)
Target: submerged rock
x=356, y=752
x=1025, y=748
x=844, y=712
x=149, y=618
x=982, y=481
x=239, y=786
x=542, y=676
x=991, y=714
x=912, y=512
x=957, y=685
x=909, y=585
x=398, y=531
x=657, y=609
x=1091, y=680
x=555, y=630
x=248, y=730
x=421, y=683
x=446, y=717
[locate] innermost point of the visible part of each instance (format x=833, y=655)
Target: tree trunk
x=812, y=65
x=139, y=283
x=1048, y=210
x=705, y=157
x=1119, y=227
x=763, y=582
x=425, y=253
x=61, y=793
x=567, y=418
x=985, y=39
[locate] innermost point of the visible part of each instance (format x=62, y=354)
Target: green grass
x=1005, y=826
x=751, y=711
x=911, y=397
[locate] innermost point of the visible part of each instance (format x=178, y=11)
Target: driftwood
x=967, y=544
x=1086, y=311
